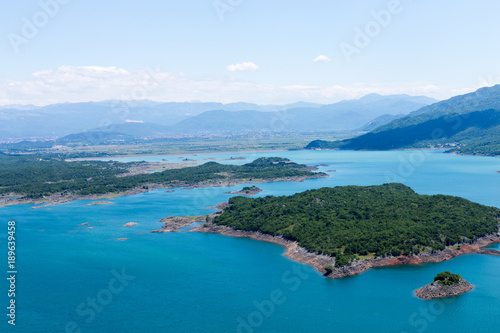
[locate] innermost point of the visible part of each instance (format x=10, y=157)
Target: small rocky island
x=173, y=223
x=248, y=191
x=445, y=284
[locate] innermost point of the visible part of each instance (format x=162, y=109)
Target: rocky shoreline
x=293, y=250
x=99, y=203
x=319, y=261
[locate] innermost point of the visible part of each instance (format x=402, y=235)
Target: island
x=50, y=181
x=248, y=191
x=445, y=284
x=173, y=223
x=344, y=231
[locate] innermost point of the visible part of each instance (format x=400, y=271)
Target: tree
x=447, y=278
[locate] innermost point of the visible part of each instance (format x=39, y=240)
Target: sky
x=259, y=51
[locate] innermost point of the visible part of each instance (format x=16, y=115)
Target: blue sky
x=261, y=51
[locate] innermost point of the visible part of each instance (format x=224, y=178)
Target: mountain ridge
x=467, y=123
x=63, y=119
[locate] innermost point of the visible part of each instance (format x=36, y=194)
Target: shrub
x=343, y=260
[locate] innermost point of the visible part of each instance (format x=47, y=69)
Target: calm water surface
x=190, y=282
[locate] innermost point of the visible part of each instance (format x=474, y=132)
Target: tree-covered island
x=353, y=228
x=445, y=284
x=247, y=190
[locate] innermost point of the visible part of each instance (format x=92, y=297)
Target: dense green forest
x=35, y=177
x=353, y=221
x=472, y=133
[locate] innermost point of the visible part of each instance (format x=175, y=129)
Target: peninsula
x=28, y=179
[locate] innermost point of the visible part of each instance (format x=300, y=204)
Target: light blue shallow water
x=190, y=282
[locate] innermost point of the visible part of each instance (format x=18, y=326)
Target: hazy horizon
x=144, y=100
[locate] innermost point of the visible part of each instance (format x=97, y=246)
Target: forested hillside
x=472, y=133
x=353, y=221
x=468, y=124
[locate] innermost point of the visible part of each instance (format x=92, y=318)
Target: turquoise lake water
x=190, y=282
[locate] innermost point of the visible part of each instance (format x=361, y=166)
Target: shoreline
x=300, y=254
x=293, y=250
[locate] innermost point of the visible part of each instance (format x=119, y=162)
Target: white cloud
x=246, y=66
x=322, y=58
x=92, y=83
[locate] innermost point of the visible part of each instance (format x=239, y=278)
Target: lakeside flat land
x=172, y=146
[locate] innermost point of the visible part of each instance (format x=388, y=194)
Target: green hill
x=481, y=99
x=359, y=220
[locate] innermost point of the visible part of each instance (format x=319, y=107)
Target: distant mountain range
x=467, y=123
x=352, y=115
x=64, y=119
x=147, y=118
x=345, y=115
